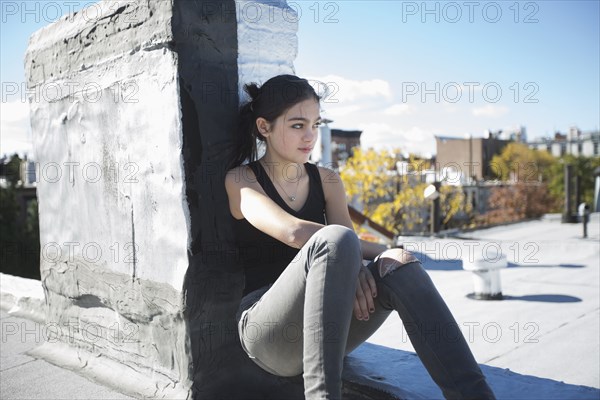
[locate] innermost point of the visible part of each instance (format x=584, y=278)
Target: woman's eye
x=317, y=125
x=297, y=126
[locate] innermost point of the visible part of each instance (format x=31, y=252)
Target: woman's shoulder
x=242, y=175
x=331, y=183
x=328, y=175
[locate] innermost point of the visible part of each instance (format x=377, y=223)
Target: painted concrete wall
x=267, y=40
x=133, y=113
x=106, y=125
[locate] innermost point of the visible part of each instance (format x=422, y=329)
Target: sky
x=404, y=72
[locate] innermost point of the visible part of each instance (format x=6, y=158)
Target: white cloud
x=15, y=128
x=382, y=135
x=342, y=90
x=489, y=110
x=376, y=131
x=449, y=108
x=339, y=111
x=400, y=109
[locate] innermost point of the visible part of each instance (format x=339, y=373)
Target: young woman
x=308, y=299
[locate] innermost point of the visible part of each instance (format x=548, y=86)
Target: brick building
x=470, y=156
x=342, y=143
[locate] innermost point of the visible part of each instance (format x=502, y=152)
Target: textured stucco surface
x=111, y=182
x=106, y=125
x=22, y=297
x=267, y=40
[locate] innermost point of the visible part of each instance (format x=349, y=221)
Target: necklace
x=291, y=198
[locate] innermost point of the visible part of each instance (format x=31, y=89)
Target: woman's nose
x=309, y=135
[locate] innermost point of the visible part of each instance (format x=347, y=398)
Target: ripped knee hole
x=392, y=259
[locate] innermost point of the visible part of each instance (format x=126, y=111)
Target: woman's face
x=292, y=136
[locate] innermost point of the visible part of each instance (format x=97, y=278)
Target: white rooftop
x=548, y=325
x=541, y=342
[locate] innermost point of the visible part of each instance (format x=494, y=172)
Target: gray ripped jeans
x=304, y=324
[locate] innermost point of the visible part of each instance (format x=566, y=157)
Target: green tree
x=19, y=243
x=519, y=163
x=8, y=213
x=528, y=173
x=582, y=166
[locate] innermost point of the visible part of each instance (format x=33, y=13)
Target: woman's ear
x=263, y=126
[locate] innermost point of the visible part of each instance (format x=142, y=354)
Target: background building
x=470, y=156
x=575, y=143
x=342, y=143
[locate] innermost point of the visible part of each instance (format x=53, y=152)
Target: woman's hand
x=366, y=291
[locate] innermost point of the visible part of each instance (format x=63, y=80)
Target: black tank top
x=263, y=257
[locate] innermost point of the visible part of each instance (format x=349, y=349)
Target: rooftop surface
x=548, y=325
x=542, y=341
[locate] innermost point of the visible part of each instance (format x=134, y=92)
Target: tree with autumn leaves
x=529, y=184
x=395, y=201
x=534, y=183
x=523, y=192
x=518, y=163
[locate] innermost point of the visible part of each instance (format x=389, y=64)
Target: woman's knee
x=393, y=259
x=337, y=233
x=341, y=243
x=340, y=237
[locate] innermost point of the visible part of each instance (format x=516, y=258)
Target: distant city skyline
x=402, y=71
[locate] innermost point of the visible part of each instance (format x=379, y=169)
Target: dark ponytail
x=247, y=133
x=272, y=99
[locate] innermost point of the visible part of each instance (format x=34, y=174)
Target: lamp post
x=596, y=207
x=568, y=212
x=432, y=192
